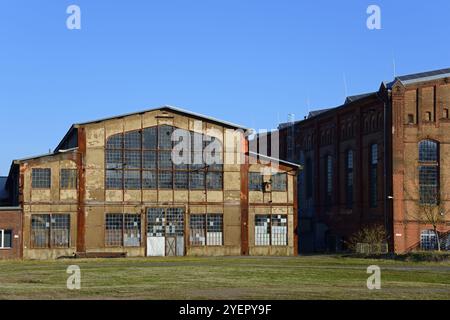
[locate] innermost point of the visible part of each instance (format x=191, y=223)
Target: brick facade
x=11, y=220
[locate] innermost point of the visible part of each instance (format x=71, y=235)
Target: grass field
x=299, y=278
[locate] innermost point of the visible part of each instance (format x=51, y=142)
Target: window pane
x=60, y=231
x=255, y=181
x=165, y=180
x=114, y=179
x=40, y=228
x=150, y=138
x=262, y=230
x=150, y=159
x=428, y=185
x=68, y=179
x=149, y=180
x=114, y=159
x=132, y=180
x=165, y=160
x=197, y=230
x=374, y=154
x=197, y=180
x=214, y=180
x=7, y=239
x=165, y=137
x=181, y=180
x=279, y=182
x=428, y=151
x=132, y=231
x=279, y=230
x=214, y=229
x=41, y=178
x=133, y=159
x=114, y=229
x=156, y=222
x=132, y=140
x=115, y=142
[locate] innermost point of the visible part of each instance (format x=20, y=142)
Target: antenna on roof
x=395, y=67
x=345, y=87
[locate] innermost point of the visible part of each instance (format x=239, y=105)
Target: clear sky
x=246, y=61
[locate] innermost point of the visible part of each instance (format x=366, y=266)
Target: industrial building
x=381, y=158
x=112, y=188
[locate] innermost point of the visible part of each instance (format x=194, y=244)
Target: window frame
x=68, y=187
x=204, y=228
x=283, y=187
x=2, y=239
x=34, y=183
x=270, y=217
x=123, y=229
x=48, y=230
x=429, y=158
x=373, y=175
x=349, y=178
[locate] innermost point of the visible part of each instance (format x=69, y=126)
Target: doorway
x=165, y=232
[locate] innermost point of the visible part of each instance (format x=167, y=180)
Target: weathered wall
x=11, y=220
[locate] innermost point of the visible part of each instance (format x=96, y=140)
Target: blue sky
x=246, y=61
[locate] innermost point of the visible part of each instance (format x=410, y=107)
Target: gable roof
x=162, y=108
x=357, y=97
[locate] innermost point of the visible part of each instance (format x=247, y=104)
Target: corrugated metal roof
x=354, y=98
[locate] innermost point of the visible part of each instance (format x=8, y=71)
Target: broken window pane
x=262, y=230
x=114, y=159
x=197, y=230
x=40, y=231
x=60, y=230
x=214, y=229
x=113, y=232
x=132, y=230
x=68, y=179
x=279, y=230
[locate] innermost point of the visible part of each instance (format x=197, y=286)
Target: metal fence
x=367, y=248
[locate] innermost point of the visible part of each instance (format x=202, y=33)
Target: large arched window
x=142, y=159
x=429, y=172
x=349, y=179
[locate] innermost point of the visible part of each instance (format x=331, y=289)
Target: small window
x=41, y=178
x=255, y=180
x=428, y=116
x=428, y=240
x=69, y=179
x=279, y=182
x=445, y=113
x=5, y=239
x=410, y=118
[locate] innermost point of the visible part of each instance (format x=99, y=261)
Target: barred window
x=271, y=230
x=206, y=229
x=68, y=179
x=255, y=180
x=279, y=182
x=50, y=231
x=143, y=159
x=41, y=178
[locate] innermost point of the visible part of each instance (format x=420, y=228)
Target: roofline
x=10, y=208
x=64, y=138
x=18, y=161
x=251, y=153
x=166, y=107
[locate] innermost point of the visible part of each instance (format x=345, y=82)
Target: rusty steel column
x=81, y=215
x=244, y=200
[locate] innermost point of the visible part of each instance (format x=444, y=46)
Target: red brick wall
x=11, y=220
